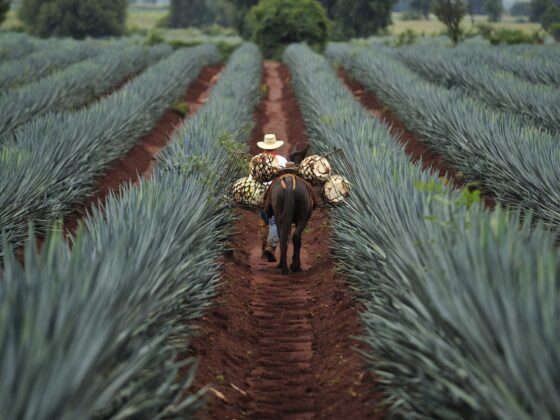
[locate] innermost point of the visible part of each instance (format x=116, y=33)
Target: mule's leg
x=296, y=238
x=282, y=262
x=284, y=237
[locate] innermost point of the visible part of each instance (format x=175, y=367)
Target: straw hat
x=270, y=142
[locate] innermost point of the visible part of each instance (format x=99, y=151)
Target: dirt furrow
x=416, y=149
x=138, y=161
x=276, y=346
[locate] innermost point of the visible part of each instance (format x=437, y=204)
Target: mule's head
x=297, y=156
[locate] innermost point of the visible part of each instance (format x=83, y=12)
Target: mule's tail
x=288, y=208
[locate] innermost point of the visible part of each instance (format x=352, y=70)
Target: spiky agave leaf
x=43, y=63
x=73, y=87
x=534, y=63
x=514, y=162
x=539, y=103
x=14, y=46
x=140, y=270
x=65, y=153
x=448, y=288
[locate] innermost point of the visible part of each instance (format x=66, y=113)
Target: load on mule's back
x=287, y=201
x=289, y=198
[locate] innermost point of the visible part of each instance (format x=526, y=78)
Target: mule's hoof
x=296, y=268
x=269, y=256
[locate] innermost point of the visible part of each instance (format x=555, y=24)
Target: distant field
x=138, y=17
x=146, y=17
x=433, y=25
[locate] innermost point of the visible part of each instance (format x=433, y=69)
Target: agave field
x=154, y=307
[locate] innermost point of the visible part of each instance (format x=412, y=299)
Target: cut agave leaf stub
x=315, y=169
x=336, y=189
x=248, y=192
x=262, y=167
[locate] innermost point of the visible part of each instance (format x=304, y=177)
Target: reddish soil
x=139, y=160
x=416, y=149
x=277, y=346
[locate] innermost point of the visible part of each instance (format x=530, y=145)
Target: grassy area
x=11, y=21
x=144, y=17
x=434, y=26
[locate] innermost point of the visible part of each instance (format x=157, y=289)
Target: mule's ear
x=297, y=157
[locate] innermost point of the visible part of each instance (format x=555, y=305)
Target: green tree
x=361, y=18
x=554, y=30
x=550, y=17
x=538, y=9
x=495, y=9
x=4, y=8
x=29, y=10
x=450, y=13
x=330, y=7
x=185, y=13
x=423, y=6
x=241, y=8
x=273, y=24
x=221, y=12
x=352, y=18
x=521, y=8
x=74, y=18
x=475, y=7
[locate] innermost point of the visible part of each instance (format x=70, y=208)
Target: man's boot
x=263, y=233
x=269, y=253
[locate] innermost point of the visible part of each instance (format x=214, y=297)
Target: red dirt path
x=278, y=346
x=138, y=161
x=416, y=149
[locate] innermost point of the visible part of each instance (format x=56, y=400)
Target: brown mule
x=291, y=200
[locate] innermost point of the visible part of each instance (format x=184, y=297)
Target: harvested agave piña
x=315, y=169
x=336, y=189
x=262, y=167
x=248, y=191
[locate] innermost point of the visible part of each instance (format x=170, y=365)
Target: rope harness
x=283, y=181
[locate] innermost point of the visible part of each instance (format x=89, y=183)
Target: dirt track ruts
x=275, y=346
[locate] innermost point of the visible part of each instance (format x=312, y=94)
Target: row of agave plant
x=529, y=63
x=16, y=45
x=538, y=102
x=41, y=63
x=460, y=304
x=515, y=162
x=97, y=330
x=77, y=85
x=51, y=164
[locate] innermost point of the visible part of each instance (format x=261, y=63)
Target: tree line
x=348, y=18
